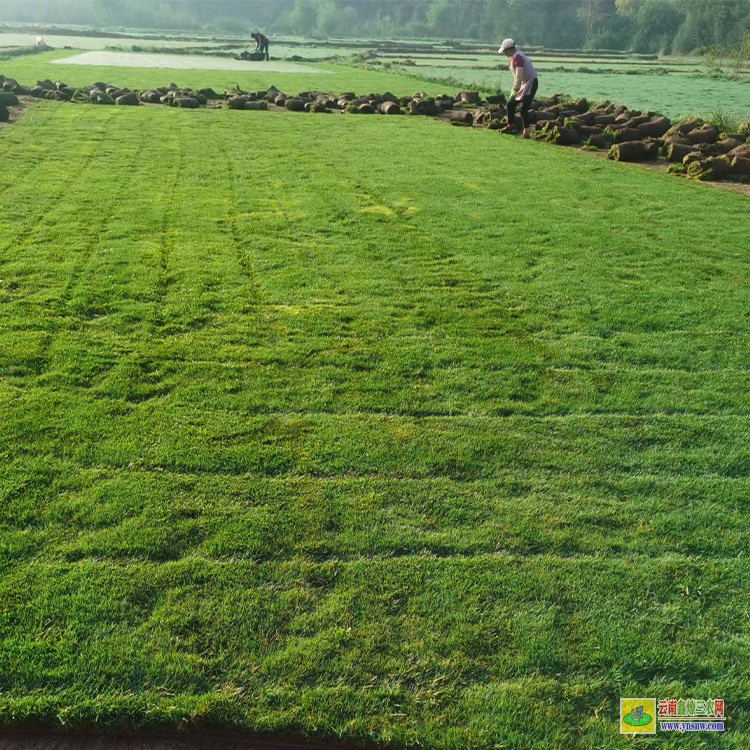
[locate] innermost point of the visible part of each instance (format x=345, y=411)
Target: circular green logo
x=637, y=719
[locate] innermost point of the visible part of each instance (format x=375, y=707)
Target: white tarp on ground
x=182, y=62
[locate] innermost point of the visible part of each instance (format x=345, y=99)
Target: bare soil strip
x=183, y=62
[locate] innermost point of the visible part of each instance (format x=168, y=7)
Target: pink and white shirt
x=523, y=74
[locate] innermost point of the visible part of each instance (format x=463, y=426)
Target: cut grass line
x=508, y=476
x=297, y=562
x=239, y=242
x=61, y=560
x=166, y=234
x=627, y=333
x=239, y=364
x=646, y=370
x=606, y=474
x=280, y=203
x=63, y=188
x=427, y=415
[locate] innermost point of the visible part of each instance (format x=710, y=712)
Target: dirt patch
x=166, y=741
x=16, y=113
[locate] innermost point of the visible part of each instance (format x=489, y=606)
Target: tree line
x=662, y=26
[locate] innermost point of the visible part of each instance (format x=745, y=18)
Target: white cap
x=506, y=44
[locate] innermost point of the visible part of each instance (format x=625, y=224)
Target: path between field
x=165, y=741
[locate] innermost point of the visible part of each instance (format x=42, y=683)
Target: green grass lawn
x=366, y=427
x=334, y=78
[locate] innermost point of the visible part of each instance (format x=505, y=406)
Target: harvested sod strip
x=365, y=428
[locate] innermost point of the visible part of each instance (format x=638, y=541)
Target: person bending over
x=261, y=44
x=525, y=84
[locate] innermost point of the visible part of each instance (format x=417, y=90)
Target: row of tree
x=669, y=26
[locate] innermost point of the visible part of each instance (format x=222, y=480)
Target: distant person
x=261, y=44
x=525, y=84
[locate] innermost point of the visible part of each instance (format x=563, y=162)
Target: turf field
x=674, y=94
x=365, y=427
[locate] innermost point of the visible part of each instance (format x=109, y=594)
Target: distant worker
x=261, y=44
x=525, y=84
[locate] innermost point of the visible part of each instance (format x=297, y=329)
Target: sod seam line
x=605, y=473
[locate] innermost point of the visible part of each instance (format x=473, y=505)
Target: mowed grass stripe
x=57, y=512
x=333, y=438
x=445, y=628
x=113, y=432
x=41, y=173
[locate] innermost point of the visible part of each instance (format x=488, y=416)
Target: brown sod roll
x=589, y=130
x=676, y=139
x=728, y=144
x=713, y=168
x=742, y=151
x=462, y=116
x=185, y=102
x=600, y=141
x=740, y=165
x=129, y=99
x=4, y=113
x=704, y=134
x=579, y=105
x=8, y=99
x=628, y=134
x=545, y=127
x=295, y=105
x=263, y=104
x=389, y=107
x=693, y=156
x=654, y=128
x=468, y=97
x=150, y=97
x=712, y=149
x=629, y=151
x=563, y=136
x=429, y=107
x=683, y=127
x=677, y=151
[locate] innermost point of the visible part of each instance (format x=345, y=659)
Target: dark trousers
x=264, y=49
x=525, y=104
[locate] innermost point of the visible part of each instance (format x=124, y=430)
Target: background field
x=674, y=95
x=674, y=86
x=311, y=425
x=335, y=77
